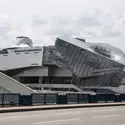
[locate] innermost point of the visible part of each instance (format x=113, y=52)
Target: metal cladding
x=24, y=40
x=52, y=57
x=89, y=59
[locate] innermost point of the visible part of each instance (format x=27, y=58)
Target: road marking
x=9, y=116
x=56, y=121
x=14, y=117
x=12, y=124
x=82, y=111
x=103, y=110
x=105, y=116
x=71, y=112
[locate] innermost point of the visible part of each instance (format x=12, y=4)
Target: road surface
x=82, y=116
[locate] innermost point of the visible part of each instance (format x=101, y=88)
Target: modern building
x=72, y=64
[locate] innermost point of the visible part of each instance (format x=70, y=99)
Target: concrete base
x=53, y=107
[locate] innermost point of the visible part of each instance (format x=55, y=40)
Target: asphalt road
x=82, y=116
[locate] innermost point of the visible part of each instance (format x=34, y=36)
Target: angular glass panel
x=89, y=59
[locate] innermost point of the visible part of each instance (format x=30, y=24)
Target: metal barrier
x=44, y=98
x=9, y=99
x=92, y=99
x=62, y=99
x=72, y=98
x=122, y=97
x=51, y=98
x=83, y=98
x=105, y=97
x=1, y=99
x=38, y=99
x=26, y=100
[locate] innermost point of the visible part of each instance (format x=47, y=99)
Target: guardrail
x=10, y=99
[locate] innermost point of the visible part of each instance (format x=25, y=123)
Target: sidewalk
x=52, y=107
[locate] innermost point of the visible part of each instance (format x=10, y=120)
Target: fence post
x=2, y=99
x=66, y=99
x=117, y=98
x=31, y=99
x=56, y=98
x=19, y=100
x=88, y=98
x=44, y=98
x=77, y=98
x=93, y=99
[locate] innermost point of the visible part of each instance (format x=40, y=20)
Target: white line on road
x=59, y=112
x=14, y=117
x=74, y=112
x=103, y=110
x=11, y=116
x=12, y=124
x=105, y=116
x=56, y=121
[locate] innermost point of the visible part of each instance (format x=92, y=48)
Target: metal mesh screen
x=11, y=99
x=51, y=98
x=52, y=57
x=72, y=98
x=37, y=99
x=83, y=98
x=1, y=98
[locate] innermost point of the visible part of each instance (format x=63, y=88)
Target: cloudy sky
x=44, y=20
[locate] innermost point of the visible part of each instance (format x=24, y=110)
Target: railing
x=13, y=99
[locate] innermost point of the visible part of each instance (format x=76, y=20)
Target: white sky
x=43, y=20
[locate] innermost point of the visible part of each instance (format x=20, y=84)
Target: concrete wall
x=3, y=90
x=37, y=71
x=45, y=71
x=14, y=86
x=15, y=59
x=56, y=86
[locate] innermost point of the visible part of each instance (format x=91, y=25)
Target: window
x=27, y=50
x=27, y=53
x=17, y=53
x=4, y=51
x=36, y=52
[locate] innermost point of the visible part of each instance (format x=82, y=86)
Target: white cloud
x=111, y=33
x=43, y=20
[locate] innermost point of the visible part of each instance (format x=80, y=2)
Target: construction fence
x=13, y=99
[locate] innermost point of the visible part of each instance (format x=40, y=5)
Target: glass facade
x=84, y=61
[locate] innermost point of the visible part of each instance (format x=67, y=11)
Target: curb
x=36, y=108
